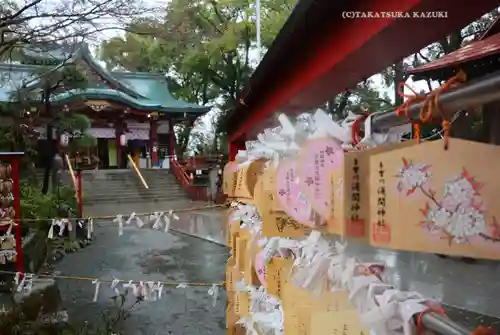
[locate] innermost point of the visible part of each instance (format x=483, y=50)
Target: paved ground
x=470, y=291
x=149, y=255
x=143, y=254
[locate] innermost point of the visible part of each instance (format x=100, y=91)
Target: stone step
x=130, y=182
x=94, y=189
x=176, y=193
x=140, y=190
x=124, y=186
x=135, y=199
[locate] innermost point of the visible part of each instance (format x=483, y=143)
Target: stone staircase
x=125, y=186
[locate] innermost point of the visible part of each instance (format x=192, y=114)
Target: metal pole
x=442, y=325
x=478, y=92
x=257, y=23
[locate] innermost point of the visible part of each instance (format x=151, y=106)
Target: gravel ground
x=148, y=255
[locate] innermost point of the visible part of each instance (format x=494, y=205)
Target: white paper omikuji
x=97, y=284
x=62, y=227
x=137, y=219
x=248, y=324
x=114, y=286
x=25, y=284
x=158, y=288
x=393, y=312
x=173, y=215
x=157, y=216
x=68, y=224
x=214, y=293
x=50, y=235
x=119, y=220
x=90, y=228
x=166, y=219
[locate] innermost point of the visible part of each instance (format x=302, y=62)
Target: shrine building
x=131, y=112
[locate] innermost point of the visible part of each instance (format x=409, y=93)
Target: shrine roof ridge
x=140, y=104
x=142, y=90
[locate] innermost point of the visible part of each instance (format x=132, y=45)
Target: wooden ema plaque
x=230, y=178
x=234, y=229
x=299, y=305
x=250, y=275
x=350, y=192
x=11, y=253
x=232, y=275
x=343, y=322
x=248, y=173
x=278, y=271
x=424, y=198
x=275, y=222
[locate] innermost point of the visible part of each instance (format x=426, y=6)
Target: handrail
x=71, y=171
x=180, y=170
x=73, y=176
x=195, y=192
x=138, y=172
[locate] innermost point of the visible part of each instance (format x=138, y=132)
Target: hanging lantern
x=64, y=139
x=123, y=140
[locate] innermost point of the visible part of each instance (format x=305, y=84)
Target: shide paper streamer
x=320, y=263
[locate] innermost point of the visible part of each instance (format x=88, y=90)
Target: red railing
x=194, y=192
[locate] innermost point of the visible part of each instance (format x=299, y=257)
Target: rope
x=430, y=103
x=403, y=109
x=482, y=330
x=108, y=217
x=355, y=137
x=165, y=283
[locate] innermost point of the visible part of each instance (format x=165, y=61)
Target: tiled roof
x=472, y=51
x=143, y=91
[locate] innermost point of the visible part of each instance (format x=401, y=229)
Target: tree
x=29, y=99
x=44, y=22
x=473, y=31
x=205, y=47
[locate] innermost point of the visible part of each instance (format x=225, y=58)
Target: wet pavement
x=469, y=291
x=148, y=255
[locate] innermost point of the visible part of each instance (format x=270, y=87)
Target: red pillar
x=171, y=133
x=234, y=146
x=153, y=141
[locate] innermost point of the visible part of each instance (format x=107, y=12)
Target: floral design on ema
x=459, y=215
x=412, y=176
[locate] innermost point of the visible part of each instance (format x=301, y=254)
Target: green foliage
x=205, y=46
x=35, y=205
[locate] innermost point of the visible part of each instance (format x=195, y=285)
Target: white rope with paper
x=372, y=139
x=382, y=308
x=266, y=312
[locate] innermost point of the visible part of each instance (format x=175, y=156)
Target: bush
x=38, y=206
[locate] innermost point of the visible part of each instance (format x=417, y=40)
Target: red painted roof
x=472, y=51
